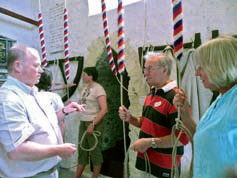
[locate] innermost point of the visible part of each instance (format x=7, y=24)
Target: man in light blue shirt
x=31, y=144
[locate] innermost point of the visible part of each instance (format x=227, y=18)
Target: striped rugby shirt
x=158, y=118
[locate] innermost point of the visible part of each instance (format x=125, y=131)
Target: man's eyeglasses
x=150, y=68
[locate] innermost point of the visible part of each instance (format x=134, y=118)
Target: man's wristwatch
x=153, y=143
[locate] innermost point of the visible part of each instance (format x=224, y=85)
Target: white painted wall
x=146, y=22
x=22, y=32
x=151, y=21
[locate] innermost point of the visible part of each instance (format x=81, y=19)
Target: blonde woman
x=215, y=137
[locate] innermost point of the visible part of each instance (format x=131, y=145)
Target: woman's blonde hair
x=218, y=57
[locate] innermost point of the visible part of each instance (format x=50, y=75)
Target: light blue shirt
x=25, y=116
x=215, y=140
x=55, y=99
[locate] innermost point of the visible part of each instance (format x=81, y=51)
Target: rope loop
x=147, y=165
x=95, y=134
x=174, y=139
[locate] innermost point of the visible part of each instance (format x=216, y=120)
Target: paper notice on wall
x=95, y=5
x=56, y=29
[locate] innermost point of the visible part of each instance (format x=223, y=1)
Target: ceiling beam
x=18, y=16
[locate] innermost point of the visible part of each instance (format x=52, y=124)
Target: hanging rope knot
x=178, y=123
x=97, y=133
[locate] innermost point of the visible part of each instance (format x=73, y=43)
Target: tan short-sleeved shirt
x=89, y=97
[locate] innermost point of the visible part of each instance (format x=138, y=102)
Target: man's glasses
x=150, y=68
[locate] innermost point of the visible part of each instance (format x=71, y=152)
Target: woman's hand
x=181, y=100
x=90, y=128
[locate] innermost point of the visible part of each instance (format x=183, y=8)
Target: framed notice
x=2, y=52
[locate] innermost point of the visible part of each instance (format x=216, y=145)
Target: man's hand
x=124, y=113
x=66, y=150
x=141, y=145
x=72, y=107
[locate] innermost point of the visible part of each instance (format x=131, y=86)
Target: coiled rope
x=147, y=165
x=95, y=134
x=179, y=126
